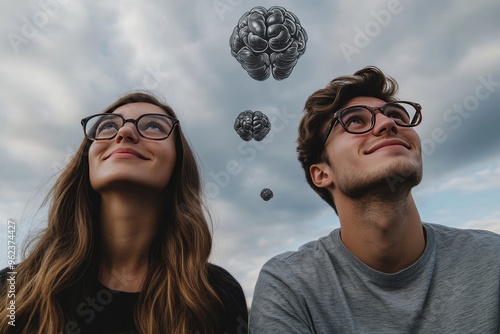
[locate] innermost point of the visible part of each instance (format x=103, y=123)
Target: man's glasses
x=361, y=119
x=106, y=126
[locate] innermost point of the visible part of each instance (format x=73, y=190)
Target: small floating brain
x=268, y=41
x=252, y=125
x=266, y=194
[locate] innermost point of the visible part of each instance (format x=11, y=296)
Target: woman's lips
x=126, y=152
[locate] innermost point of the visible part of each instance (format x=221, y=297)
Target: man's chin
x=398, y=182
x=388, y=183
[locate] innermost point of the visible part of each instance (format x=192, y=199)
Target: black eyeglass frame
x=85, y=120
x=417, y=119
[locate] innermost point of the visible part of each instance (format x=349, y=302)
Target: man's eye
x=353, y=121
x=356, y=120
x=398, y=115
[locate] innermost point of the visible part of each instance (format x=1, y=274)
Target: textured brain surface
x=268, y=41
x=252, y=125
x=266, y=194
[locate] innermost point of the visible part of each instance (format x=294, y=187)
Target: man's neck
x=386, y=235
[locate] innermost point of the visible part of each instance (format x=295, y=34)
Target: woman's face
x=129, y=161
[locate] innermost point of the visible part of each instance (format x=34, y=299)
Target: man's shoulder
x=467, y=235
x=465, y=244
x=310, y=253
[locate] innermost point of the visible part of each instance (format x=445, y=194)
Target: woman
x=127, y=244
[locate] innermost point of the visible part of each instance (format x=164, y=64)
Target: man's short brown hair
x=320, y=107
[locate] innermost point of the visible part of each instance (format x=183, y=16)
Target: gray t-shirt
x=323, y=288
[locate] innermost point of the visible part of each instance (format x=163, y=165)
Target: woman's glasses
x=106, y=126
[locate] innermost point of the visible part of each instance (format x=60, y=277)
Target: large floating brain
x=268, y=41
x=252, y=124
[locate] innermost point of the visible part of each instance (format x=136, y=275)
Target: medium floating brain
x=268, y=41
x=252, y=125
x=266, y=194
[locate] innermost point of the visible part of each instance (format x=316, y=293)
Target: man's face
x=386, y=160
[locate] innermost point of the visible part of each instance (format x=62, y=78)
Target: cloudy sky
x=61, y=60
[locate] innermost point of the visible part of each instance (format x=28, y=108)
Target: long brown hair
x=54, y=277
x=320, y=107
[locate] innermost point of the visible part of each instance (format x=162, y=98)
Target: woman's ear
x=321, y=175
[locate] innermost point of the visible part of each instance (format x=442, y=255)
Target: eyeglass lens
x=359, y=119
x=149, y=126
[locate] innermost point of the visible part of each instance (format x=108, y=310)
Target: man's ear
x=321, y=175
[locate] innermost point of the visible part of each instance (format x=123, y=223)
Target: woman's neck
x=128, y=225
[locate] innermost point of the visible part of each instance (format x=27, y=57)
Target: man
x=383, y=271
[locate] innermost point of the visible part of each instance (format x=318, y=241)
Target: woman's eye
x=154, y=126
x=108, y=125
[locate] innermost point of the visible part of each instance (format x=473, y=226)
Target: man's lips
x=125, y=152
x=388, y=142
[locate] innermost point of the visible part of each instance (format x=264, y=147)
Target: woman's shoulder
x=226, y=286
x=5, y=273
x=235, y=315
x=220, y=278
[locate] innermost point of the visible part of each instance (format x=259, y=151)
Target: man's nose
x=383, y=124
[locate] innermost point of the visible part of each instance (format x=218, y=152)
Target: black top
x=112, y=312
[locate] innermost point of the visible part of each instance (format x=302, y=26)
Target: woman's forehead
x=136, y=109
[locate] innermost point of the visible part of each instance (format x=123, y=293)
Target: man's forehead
x=364, y=100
